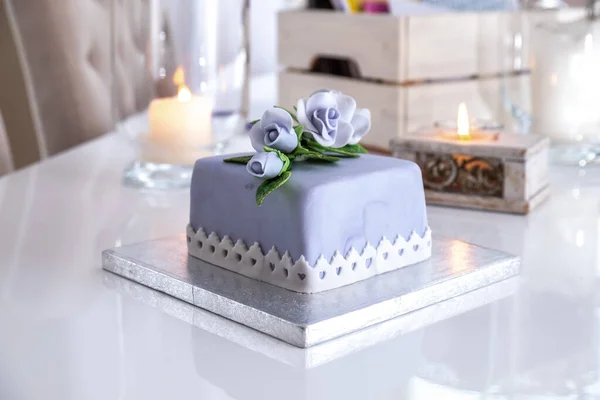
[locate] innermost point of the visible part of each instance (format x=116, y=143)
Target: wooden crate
x=411, y=48
x=413, y=70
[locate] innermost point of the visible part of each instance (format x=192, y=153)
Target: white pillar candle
x=179, y=127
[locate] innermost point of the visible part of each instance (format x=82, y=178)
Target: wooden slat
x=404, y=49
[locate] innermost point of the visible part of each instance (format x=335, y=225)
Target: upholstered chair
x=65, y=54
x=6, y=162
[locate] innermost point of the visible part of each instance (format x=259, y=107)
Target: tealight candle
x=465, y=129
x=474, y=166
x=179, y=126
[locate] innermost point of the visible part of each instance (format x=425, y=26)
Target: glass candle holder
x=478, y=130
x=466, y=129
x=566, y=88
x=196, y=61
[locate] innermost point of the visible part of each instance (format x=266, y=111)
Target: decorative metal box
x=508, y=174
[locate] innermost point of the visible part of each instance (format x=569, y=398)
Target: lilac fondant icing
x=322, y=209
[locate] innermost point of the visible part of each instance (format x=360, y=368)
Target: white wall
x=263, y=26
x=263, y=32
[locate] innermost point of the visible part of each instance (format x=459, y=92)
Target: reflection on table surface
x=67, y=334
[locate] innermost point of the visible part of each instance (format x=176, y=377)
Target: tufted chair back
x=6, y=163
x=65, y=49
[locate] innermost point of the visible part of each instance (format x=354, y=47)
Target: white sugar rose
x=275, y=129
x=332, y=118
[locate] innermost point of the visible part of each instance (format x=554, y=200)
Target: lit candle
x=179, y=125
x=465, y=130
x=462, y=122
x=472, y=164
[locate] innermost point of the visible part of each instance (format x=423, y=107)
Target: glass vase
x=566, y=88
x=195, y=58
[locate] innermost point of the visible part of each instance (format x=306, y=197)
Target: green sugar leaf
x=271, y=185
x=294, y=117
x=238, y=160
x=315, y=146
x=299, y=151
x=299, y=129
x=286, y=162
x=314, y=156
x=343, y=153
x=254, y=122
x=354, y=148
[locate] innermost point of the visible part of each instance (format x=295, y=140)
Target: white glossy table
x=68, y=330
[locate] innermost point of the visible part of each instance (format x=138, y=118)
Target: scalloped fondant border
x=300, y=275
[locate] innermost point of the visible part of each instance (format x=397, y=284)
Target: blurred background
x=75, y=71
x=56, y=67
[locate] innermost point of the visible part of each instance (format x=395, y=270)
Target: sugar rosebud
x=265, y=165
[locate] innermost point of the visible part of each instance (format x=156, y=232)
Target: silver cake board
x=304, y=320
x=240, y=338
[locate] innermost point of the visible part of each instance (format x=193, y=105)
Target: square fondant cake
x=328, y=226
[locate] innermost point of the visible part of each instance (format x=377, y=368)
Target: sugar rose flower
x=265, y=165
x=275, y=129
x=332, y=118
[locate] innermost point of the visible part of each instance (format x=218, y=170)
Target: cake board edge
x=162, y=265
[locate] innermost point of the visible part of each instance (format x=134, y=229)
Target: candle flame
x=179, y=77
x=462, y=122
x=184, y=94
